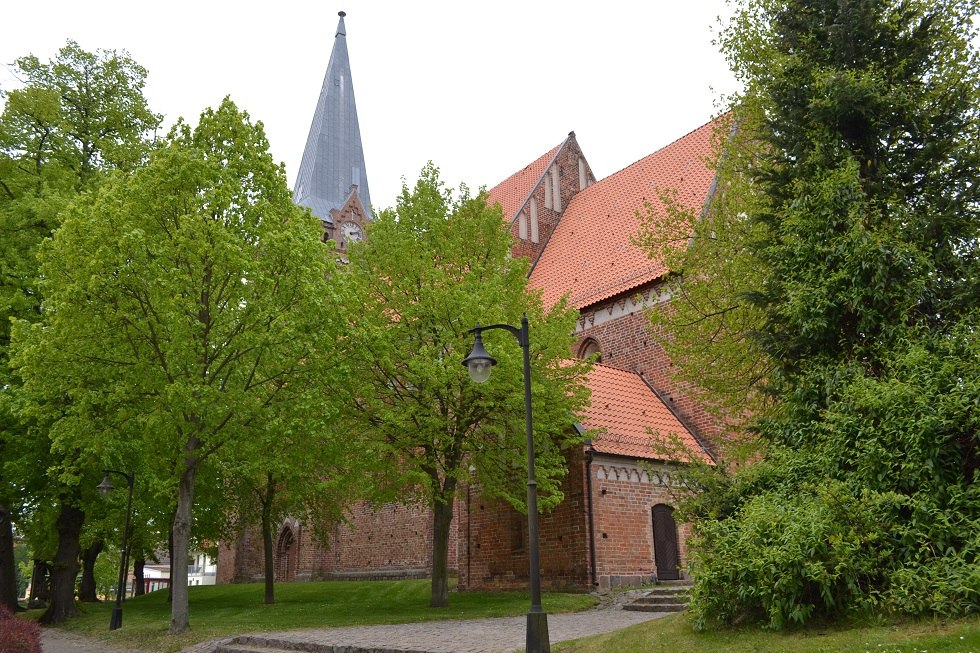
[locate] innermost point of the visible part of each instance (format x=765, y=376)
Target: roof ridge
x=657, y=151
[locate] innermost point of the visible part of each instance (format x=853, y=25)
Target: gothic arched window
x=590, y=349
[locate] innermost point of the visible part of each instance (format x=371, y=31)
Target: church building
x=616, y=525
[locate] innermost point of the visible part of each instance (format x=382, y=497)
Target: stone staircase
x=667, y=596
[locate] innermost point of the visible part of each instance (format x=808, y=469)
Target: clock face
x=351, y=231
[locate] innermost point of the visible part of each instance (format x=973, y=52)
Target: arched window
x=285, y=563
x=590, y=349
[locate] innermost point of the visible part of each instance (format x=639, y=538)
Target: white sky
x=479, y=88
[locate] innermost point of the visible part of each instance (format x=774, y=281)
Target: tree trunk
x=179, y=618
x=139, y=581
x=442, y=517
x=64, y=567
x=270, y=571
x=241, y=555
x=40, y=586
x=170, y=558
x=8, y=568
x=87, y=591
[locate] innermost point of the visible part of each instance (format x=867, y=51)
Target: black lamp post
x=105, y=487
x=479, y=364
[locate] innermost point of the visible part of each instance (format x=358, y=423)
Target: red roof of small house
x=590, y=256
x=512, y=192
x=635, y=420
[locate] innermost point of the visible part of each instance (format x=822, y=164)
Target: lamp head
x=479, y=363
x=105, y=487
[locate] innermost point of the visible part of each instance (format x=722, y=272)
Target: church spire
x=333, y=161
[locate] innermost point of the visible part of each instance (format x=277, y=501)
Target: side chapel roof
x=333, y=160
x=634, y=420
x=590, y=256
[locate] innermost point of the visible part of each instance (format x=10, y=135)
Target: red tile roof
x=512, y=192
x=634, y=418
x=590, y=256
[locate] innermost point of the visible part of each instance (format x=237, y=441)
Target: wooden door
x=665, y=554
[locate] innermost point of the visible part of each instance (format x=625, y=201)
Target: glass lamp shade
x=479, y=363
x=479, y=370
x=105, y=487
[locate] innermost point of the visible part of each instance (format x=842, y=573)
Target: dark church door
x=665, y=543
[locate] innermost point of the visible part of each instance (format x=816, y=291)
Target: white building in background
x=201, y=570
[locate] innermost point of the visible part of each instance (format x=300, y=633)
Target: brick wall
x=623, y=495
x=494, y=545
x=393, y=541
x=567, y=164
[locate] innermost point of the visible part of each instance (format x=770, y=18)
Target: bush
x=18, y=635
x=786, y=559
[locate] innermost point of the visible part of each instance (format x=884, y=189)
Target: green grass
x=674, y=633
x=223, y=610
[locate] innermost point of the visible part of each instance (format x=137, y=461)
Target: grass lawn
x=673, y=634
x=222, y=610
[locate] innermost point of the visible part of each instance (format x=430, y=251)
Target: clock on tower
x=351, y=232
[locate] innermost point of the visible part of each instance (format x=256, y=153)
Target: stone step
x=674, y=607
x=660, y=600
x=669, y=591
x=252, y=644
x=663, y=598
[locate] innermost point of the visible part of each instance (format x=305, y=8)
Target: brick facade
x=493, y=540
x=572, y=173
x=600, y=544
x=393, y=541
x=624, y=494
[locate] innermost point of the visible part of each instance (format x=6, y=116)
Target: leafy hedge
x=872, y=504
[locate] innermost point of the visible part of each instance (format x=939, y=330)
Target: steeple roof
x=333, y=161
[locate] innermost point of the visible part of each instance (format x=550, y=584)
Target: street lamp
x=480, y=364
x=105, y=487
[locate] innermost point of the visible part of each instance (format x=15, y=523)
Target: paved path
x=56, y=640
x=500, y=635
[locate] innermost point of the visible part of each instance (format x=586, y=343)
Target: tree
x=187, y=309
x=708, y=327
x=431, y=269
x=862, y=226
x=306, y=472
x=73, y=119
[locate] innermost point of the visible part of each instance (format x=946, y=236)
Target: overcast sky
x=479, y=88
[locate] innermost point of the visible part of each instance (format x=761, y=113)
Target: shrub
x=786, y=559
x=18, y=635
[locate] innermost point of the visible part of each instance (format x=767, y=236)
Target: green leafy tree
x=306, y=471
x=855, y=179
x=709, y=325
x=187, y=309
x=431, y=269
x=71, y=120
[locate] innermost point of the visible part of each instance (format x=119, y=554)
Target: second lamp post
x=105, y=487
x=479, y=364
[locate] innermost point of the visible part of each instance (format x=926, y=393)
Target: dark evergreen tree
x=862, y=117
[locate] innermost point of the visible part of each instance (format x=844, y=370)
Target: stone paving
x=501, y=635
